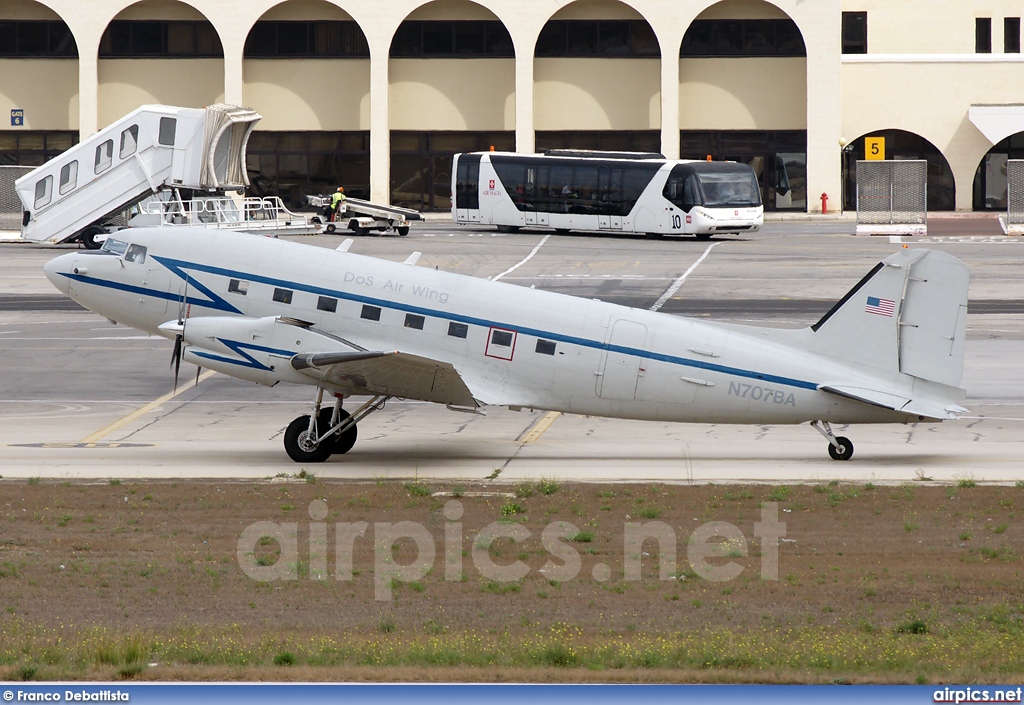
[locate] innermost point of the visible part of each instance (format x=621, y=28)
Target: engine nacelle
x=254, y=349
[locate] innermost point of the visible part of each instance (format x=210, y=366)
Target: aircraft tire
x=338, y=444
x=88, y=237
x=846, y=453
x=296, y=443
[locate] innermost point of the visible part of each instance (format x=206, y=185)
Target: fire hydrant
x=824, y=203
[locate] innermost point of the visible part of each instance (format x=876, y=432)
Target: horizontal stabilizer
x=916, y=407
x=393, y=374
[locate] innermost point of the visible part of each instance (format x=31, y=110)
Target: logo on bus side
x=490, y=190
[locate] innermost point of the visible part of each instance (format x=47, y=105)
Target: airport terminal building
x=376, y=95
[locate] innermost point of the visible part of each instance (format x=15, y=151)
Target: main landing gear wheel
x=301, y=445
x=338, y=442
x=844, y=451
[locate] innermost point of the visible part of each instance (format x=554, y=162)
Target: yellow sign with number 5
x=874, y=148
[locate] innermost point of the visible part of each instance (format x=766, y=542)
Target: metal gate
x=10, y=204
x=892, y=197
x=1015, y=196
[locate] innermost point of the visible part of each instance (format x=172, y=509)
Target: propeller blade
x=176, y=358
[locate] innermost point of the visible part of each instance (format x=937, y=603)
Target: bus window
x=730, y=189
x=467, y=180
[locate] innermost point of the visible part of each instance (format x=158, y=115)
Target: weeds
x=416, y=489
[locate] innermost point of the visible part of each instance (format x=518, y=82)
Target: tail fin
x=909, y=315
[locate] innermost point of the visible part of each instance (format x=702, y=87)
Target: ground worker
x=337, y=199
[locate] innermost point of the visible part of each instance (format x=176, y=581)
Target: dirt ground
x=165, y=559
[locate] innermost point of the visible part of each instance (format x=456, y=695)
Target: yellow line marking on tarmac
x=140, y=411
x=542, y=425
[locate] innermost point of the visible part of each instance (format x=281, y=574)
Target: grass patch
x=779, y=494
x=582, y=537
x=416, y=489
x=966, y=482
x=511, y=508
x=547, y=487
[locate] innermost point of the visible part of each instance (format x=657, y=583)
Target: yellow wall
x=743, y=94
x=125, y=84
x=160, y=10
x=451, y=10
x=452, y=94
x=26, y=10
x=52, y=108
x=597, y=10
x=742, y=9
x=305, y=10
x=309, y=94
x=597, y=94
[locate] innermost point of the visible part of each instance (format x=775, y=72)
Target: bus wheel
x=562, y=231
x=703, y=236
x=508, y=228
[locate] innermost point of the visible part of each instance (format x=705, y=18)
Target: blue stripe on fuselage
x=178, y=267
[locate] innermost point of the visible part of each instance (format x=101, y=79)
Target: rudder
x=908, y=315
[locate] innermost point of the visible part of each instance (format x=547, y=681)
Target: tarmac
x=82, y=399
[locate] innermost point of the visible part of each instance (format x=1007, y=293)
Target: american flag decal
x=880, y=307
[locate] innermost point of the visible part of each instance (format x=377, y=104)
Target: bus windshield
x=730, y=189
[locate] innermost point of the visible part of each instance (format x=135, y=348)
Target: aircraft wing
x=394, y=374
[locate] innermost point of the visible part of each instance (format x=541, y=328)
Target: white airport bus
x=625, y=192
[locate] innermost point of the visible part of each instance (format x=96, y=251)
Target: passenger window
x=104, y=157
x=68, y=177
x=135, y=253
x=167, y=127
x=236, y=286
x=370, y=313
x=458, y=330
x=129, y=142
x=414, y=321
x=283, y=296
x=545, y=347
x=501, y=344
x=44, y=191
x=326, y=303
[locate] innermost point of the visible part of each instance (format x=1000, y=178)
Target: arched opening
x=990, y=187
x=159, y=51
x=451, y=73
x=39, y=63
x=597, y=75
x=900, y=144
x=743, y=96
x=307, y=72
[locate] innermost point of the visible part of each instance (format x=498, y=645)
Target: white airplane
x=270, y=311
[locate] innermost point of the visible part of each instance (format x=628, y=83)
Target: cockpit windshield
x=116, y=247
x=737, y=189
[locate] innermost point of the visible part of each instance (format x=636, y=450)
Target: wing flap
x=394, y=374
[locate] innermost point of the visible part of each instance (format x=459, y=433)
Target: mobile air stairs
x=159, y=151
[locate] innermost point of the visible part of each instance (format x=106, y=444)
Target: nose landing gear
x=839, y=447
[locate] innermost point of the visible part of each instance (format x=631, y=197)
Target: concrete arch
x=905, y=144
x=56, y=106
x=310, y=93
x=605, y=92
x=989, y=188
x=123, y=85
x=473, y=93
